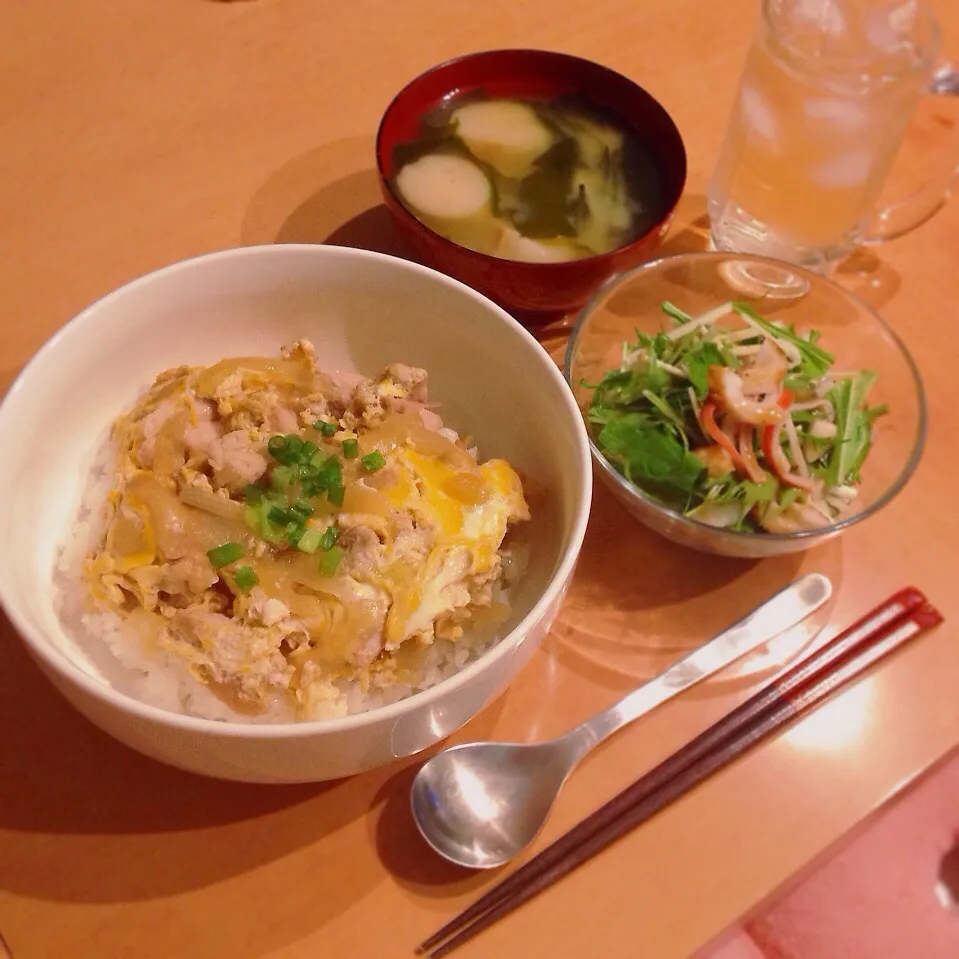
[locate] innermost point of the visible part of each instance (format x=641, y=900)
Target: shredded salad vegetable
x=736, y=421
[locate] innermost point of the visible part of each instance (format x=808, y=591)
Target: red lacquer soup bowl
x=523, y=287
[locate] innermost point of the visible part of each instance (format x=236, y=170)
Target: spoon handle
x=788, y=608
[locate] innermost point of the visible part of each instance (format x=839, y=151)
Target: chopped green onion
x=351, y=449
x=276, y=447
x=258, y=520
x=302, y=507
x=294, y=533
x=331, y=561
x=373, y=461
x=310, y=541
x=224, y=555
x=285, y=449
x=290, y=449
x=329, y=538
x=327, y=429
x=252, y=516
x=253, y=494
x=335, y=493
x=280, y=516
x=245, y=578
x=282, y=477
x=331, y=467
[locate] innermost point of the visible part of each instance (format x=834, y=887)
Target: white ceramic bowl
x=362, y=310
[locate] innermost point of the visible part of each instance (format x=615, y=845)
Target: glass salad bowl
x=786, y=415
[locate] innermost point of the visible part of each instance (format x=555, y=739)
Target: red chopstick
x=846, y=656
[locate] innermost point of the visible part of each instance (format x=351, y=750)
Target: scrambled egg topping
x=276, y=527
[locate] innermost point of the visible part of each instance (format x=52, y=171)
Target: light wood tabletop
x=137, y=134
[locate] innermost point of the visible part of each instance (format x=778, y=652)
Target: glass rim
x=682, y=520
x=926, y=29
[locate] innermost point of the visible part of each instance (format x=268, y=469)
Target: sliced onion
x=795, y=448
x=719, y=515
x=211, y=502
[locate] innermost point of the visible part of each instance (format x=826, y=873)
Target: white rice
x=162, y=679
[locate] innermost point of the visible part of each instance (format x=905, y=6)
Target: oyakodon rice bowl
x=363, y=311
x=267, y=541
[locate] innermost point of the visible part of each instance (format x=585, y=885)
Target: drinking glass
x=827, y=93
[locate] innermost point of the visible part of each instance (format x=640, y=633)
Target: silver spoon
x=480, y=804
x=945, y=81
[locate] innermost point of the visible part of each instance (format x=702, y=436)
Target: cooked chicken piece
x=383, y=478
x=334, y=394
x=221, y=650
x=252, y=411
x=282, y=420
x=316, y=409
x=431, y=420
x=265, y=611
x=368, y=651
x=366, y=404
x=248, y=398
x=235, y=463
x=363, y=551
x=411, y=544
x=188, y=577
x=398, y=387
x=151, y=424
x=378, y=525
x=410, y=379
x=180, y=583
x=302, y=349
x=200, y=439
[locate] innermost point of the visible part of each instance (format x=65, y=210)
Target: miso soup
x=527, y=179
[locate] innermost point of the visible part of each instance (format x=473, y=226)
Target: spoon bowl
x=510, y=788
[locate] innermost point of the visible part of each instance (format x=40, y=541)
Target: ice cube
x=845, y=113
x=758, y=113
x=826, y=15
x=888, y=26
x=846, y=170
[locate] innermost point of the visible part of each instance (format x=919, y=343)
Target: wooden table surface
x=136, y=134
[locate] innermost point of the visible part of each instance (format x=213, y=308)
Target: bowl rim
x=61, y=664
x=488, y=258
x=905, y=474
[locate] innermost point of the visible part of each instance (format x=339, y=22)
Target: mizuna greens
x=736, y=421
